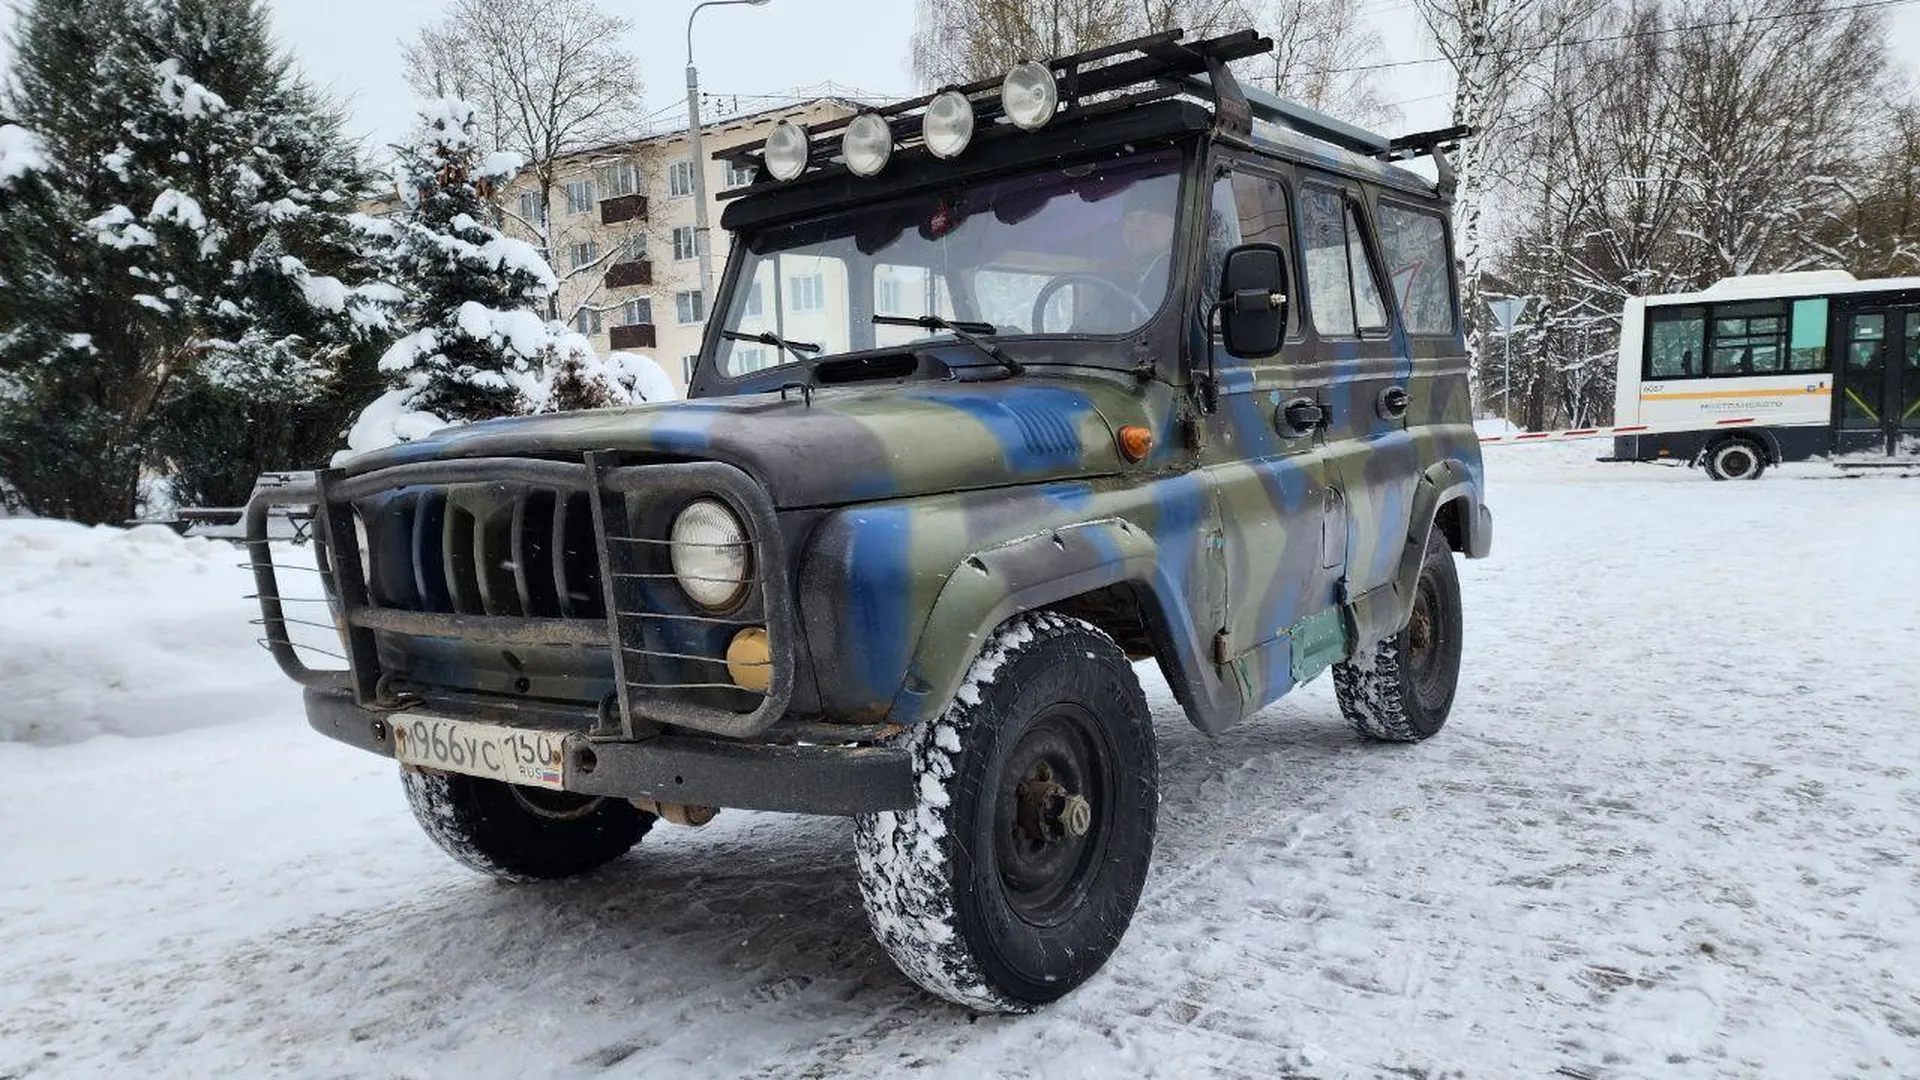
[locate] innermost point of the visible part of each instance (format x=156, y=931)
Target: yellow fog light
x=750, y=660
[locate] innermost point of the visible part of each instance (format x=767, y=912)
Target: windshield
x=1084, y=249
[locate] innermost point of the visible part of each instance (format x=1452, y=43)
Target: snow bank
x=19, y=152
x=128, y=631
x=642, y=375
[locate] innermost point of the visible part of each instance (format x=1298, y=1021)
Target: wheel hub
x=1047, y=811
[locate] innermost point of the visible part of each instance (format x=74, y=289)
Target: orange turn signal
x=1135, y=442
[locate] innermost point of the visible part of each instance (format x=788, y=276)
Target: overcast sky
x=352, y=48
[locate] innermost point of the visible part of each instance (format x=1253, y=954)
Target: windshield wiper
x=966, y=331
x=768, y=337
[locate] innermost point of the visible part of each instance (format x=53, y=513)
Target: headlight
x=867, y=144
x=1029, y=95
x=786, y=151
x=711, y=554
x=948, y=124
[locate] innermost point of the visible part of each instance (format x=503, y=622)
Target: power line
x=1746, y=21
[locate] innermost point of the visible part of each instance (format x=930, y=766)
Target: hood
x=851, y=444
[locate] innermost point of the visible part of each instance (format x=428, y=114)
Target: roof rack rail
x=1158, y=61
x=1126, y=73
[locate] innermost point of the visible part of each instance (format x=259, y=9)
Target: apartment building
x=620, y=228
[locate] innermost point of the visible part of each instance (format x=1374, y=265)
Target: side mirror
x=1253, y=300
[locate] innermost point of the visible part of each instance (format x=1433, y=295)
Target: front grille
x=484, y=549
x=471, y=568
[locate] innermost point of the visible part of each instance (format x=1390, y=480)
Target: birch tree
x=549, y=79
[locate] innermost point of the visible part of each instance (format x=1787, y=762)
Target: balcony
x=624, y=274
x=637, y=336
x=623, y=208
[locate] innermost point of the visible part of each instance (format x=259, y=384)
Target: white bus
x=1774, y=367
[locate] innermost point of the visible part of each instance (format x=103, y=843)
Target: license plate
x=516, y=755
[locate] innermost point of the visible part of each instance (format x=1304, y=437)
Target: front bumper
x=694, y=770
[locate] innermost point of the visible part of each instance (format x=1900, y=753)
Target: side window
x=1266, y=219
x=1676, y=342
x=1367, y=306
x=1748, y=339
x=1342, y=293
x=1809, y=341
x=1414, y=245
x=1223, y=232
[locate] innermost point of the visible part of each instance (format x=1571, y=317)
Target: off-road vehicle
x=1005, y=388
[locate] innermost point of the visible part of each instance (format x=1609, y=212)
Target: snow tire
x=521, y=834
x=1401, y=689
x=965, y=902
x=1736, y=459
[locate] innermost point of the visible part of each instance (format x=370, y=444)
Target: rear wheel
x=1401, y=689
x=521, y=833
x=1015, y=876
x=1736, y=459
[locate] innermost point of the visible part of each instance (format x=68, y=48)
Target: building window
x=752, y=359
x=809, y=293
x=633, y=248
x=688, y=307
x=684, y=242
x=587, y=322
x=579, y=255
x=740, y=175
x=887, y=298
x=680, y=178
x=618, y=179
x=579, y=196
x=752, y=308
x=686, y=367
x=636, y=312
x=530, y=211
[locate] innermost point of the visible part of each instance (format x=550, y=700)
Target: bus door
x=1878, y=398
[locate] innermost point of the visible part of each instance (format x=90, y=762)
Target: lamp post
x=700, y=245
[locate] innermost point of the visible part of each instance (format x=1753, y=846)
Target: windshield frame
x=1070, y=348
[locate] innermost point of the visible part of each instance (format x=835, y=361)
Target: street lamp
x=700, y=245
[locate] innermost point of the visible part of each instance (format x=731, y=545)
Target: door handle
x=1393, y=403
x=1299, y=416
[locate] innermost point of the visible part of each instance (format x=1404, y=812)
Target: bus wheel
x=1736, y=459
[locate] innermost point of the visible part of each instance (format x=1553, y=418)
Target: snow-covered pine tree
x=270, y=268
x=477, y=349
x=89, y=339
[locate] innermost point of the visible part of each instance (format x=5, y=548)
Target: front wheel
x=1401, y=689
x=521, y=833
x=1014, y=877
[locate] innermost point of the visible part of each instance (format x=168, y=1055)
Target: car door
x=1374, y=461
x=1283, y=520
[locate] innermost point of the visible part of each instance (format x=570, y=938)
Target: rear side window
x=1414, y=245
x=1342, y=293
x=1676, y=342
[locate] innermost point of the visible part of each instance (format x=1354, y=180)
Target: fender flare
x=1383, y=611
x=994, y=584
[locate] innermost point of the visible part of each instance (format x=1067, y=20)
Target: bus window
x=1748, y=339
x=1809, y=341
x=1676, y=340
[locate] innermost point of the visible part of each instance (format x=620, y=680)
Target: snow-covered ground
x=1669, y=832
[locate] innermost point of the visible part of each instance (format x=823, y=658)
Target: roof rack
x=1127, y=73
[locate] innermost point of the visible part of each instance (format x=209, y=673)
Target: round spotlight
x=1029, y=95
x=867, y=144
x=786, y=151
x=947, y=127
